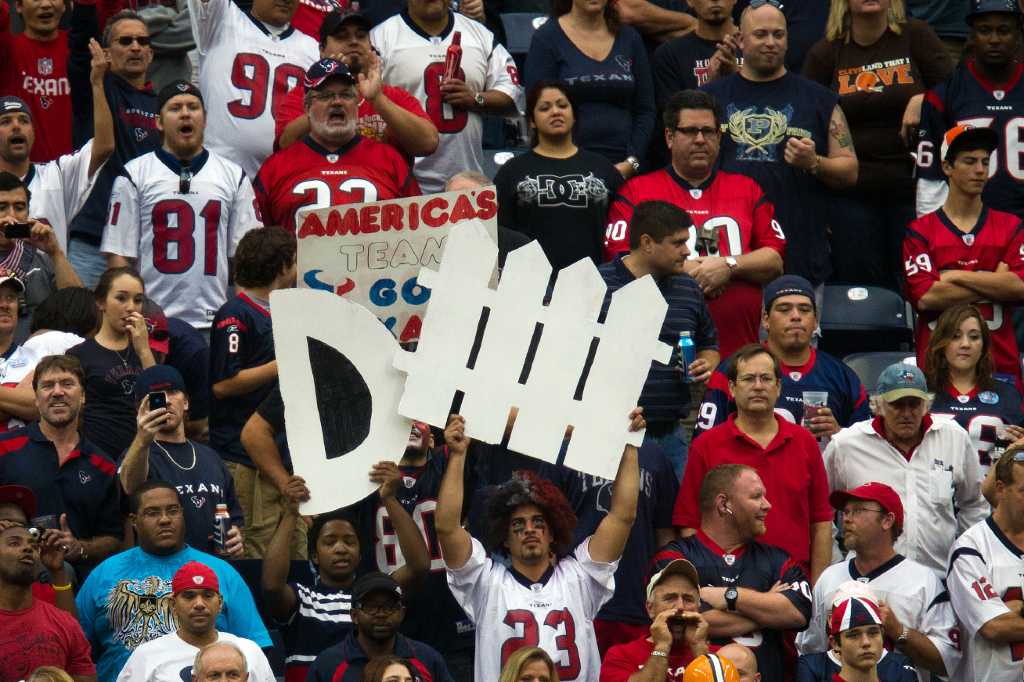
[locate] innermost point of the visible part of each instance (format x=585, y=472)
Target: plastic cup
x=813, y=400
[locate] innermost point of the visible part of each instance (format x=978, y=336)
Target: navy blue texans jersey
x=967, y=97
x=892, y=667
x=981, y=413
x=432, y=616
x=846, y=396
x=241, y=337
x=756, y=566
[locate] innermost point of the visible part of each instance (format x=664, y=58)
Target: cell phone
x=157, y=399
x=17, y=231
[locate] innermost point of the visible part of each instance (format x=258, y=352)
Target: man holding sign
x=530, y=521
x=333, y=164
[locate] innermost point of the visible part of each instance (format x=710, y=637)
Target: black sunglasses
x=184, y=180
x=125, y=41
x=754, y=4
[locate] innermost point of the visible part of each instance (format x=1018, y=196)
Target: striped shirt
x=322, y=618
x=665, y=396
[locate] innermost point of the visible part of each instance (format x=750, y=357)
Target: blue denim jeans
x=87, y=261
x=675, y=444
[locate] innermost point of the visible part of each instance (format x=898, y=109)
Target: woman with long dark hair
x=556, y=193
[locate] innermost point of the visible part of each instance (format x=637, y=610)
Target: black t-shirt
x=202, y=481
x=190, y=355
x=562, y=203
x=108, y=418
x=681, y=64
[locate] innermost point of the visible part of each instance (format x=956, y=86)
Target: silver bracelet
x=659, y=653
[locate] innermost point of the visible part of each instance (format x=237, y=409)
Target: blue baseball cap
x=324, y=70
x=901, y=380
x=853, y=613
x=788, y=285
x=158, y=378
x=10, y=104
x=979, y=7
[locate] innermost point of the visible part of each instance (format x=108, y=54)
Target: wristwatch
x=731, y=262
x=479, y=99
x=730, y=598
x=634, y=162
x=902, y=638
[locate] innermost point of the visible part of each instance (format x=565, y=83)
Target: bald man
x=743, y=659
x=787, y=133
x=220, y=662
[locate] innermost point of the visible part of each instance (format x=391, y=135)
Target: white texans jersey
x=181, y=242
x=59, y=188
x=913, y=592
x=245, y=70
x=415, y=61
x=555, y=614
x=986, y=569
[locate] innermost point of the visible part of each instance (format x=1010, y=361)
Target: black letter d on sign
x=342, y=398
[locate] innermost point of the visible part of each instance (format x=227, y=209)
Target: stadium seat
x=495, y=158
x=863, y=318
x=868, y=366
x=519, y=28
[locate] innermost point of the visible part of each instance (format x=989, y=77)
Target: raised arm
x=410, y=539
x=135, y=467
x=414, y=134
x=277, y=593
x=456, y=545
x=103, y=120
x=609, y=540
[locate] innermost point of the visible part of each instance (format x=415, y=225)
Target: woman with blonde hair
x=49, y=673
x=529, y=664
x=880, y=63
x=958, y=366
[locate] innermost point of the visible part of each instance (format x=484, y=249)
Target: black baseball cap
x=11, y=104
x=375, y=582
x=964, y=137
x=158, y=378
x=337, y=18
x=979, y=7
x=175, y=88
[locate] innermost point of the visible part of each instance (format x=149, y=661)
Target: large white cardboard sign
x=371, y=253
x=342, y=372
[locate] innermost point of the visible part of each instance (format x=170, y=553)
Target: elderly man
x=931, y=465
x=916, y=613
x=219, y=661
x=756, y=592
x=678, y=631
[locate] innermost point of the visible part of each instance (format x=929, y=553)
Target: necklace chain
x=174, y=461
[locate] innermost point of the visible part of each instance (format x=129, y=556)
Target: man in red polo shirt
x=785, y=456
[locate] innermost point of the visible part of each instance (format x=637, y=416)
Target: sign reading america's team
x=371, y=253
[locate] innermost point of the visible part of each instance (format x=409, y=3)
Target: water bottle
x=453, y=57
x=221, y=526
x=687, y=354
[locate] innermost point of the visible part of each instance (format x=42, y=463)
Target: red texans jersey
x=934, y=244
x=731, y=216
x=308, y=177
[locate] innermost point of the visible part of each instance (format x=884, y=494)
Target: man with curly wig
x=546, y=596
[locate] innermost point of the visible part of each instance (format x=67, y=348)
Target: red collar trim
x=713, y=546
x=952, y=390
x=879, y=427
x=803, y=369
x=1010, y=83
x=245, y=297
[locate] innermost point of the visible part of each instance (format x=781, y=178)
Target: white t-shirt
x=985, y=569
x=181, y=242
x=59, y=188
x=245, y=70
x=25, y=358
x=169, y=659
x=414, y=61
x=914, y=593
x=556, y=614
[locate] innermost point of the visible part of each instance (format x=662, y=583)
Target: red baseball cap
x=21, y=497
x=194, y=576
x=874, y=491
x=156, y=325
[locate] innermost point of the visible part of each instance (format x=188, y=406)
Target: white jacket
x=940, y=487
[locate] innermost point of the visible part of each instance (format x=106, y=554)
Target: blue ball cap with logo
x=158, y=378
x=788, y=285
x=901, y=380
x=979, y=7
x=10, y=104
x=324, y=70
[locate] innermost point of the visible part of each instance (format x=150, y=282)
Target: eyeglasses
x=383, y=608
x=184, y=180
x=326, y=97
x=693, y=131
x=754, y=4
x=125, y=41
x=751, y=379
x=855, y=511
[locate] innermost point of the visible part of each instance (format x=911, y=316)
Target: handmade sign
x=342, y=371
x=371, y=253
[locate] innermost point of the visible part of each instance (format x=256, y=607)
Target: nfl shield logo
x=332, y=158
x=45, y=66
x=999, y=94
x=696, y=193
x=969, y=239
x=729, y=559
x=796, y=376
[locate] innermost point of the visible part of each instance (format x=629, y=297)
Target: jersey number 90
x=251, y=73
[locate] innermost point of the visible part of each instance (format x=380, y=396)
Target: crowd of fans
x=777, y=523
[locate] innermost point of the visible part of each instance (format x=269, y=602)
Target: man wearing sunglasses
x=377, y=611
x=177, y=214
x=985, y=584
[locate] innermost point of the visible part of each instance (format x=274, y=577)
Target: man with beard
x=386, y=113
x=126, y=600
x=755, y=591
x=177, y=214
x=75, y=483
x=987, y=90
x=305, y=176
x=32, y=632
x=377, y=611
x=161, y=452
x=197, y=603
x=691, y=61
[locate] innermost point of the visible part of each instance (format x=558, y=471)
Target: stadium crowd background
x=828, y=194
